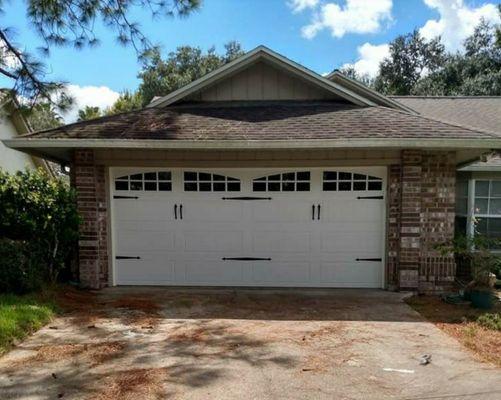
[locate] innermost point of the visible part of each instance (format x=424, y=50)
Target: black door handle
x=181, y=211
x=175, y=211
x=313, y=212
x=318, y=212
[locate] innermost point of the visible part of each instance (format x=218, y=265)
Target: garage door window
x=286, y=182
x=349, y=181
x=206, y=182
x=149, y=181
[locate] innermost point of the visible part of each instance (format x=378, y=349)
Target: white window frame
x=471, y=215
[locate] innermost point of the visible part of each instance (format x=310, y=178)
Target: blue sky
x=320, y=34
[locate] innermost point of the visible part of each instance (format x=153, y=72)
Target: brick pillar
x=410, y=219
x=421, y=194
x=437, y=271
x=393, y=227
x=89, y=181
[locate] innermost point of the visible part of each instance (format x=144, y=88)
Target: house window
x=350, y=181
x=486, y=212
x=160, y=181
x=286, y=182
x=461, y=220
x=206, y=182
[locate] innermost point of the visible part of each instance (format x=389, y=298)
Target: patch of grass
x=475, y=329
x=490, y=321
x=22, y=315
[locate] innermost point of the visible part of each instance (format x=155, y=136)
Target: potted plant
x=483, y=262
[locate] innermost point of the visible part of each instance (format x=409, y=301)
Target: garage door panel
x=140, y=241
x=281, y=273
x=352, y=211
x=213, y=241
x=149, y=270
x=361, y=274
x=353, y=242
x=144, y=226
x=289, y=211
x=143, y=210
x=199, y=272
x=268, y=242
x=213, y=209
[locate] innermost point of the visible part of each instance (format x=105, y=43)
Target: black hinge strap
x=125, y=197
x=246, y=198
x=246, y=258
x=127, y=258
x=369, y=259
x=370, y=197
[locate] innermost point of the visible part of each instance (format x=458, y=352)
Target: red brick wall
x=90, y=183
x=421, y=216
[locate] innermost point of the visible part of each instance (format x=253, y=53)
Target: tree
x=127, y=101
x=351, y=72
x=72, y=23
x=410, y=57
x=162, y=76
x=474, y=72
x=89, y=113
x=42, y=116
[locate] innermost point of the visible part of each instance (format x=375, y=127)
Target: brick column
x=393, y=226
x=437, y=271
x=89, y=181
x=410, y=219
x=421, y=194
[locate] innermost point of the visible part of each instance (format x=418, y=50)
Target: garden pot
x=482, y=299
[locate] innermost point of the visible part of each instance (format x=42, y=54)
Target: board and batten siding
x=261, y=82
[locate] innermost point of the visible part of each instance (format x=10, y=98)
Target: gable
x=263, y=65
x=262, y=81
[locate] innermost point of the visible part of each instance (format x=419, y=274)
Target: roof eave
x=424, y=143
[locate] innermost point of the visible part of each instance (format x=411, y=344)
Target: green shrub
x=490, y=321
x=38, y=229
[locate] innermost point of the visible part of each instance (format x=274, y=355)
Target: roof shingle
x=263, y=121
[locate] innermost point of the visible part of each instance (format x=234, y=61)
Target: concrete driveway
x=156, y=343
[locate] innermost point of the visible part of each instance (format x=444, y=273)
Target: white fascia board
x=21, y=143
x=254, y=56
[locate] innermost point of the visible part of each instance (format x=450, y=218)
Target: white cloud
x=356, y=16
x=369, y=58
x=93, y=96
x=456, y=21
x=7, y=58
x=301, y=5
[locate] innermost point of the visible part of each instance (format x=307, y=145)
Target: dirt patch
x=145, y=384
x=81, y=306
x=96, y=353
x=459, y=321
x=141, y=311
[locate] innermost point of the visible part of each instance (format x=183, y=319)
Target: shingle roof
x=263, y=121
x=482, y=112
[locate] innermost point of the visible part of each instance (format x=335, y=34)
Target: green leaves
x=39, y=219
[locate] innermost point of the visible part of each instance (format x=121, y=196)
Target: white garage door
x=248, y=227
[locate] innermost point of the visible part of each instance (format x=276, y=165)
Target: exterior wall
x=421, y=196
x=421, y=216
x=11, y=160
x=90, y=182
x=261, y=82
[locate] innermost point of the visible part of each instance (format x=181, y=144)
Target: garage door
x=248, y=227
